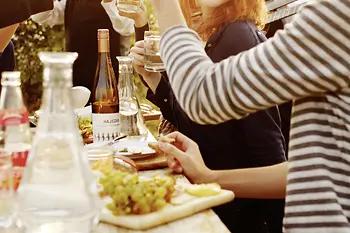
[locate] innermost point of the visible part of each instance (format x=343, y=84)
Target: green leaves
x=31, y=38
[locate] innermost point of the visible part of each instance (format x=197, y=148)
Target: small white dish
x=84, y=112
x=127, y=148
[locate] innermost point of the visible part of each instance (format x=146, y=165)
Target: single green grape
x=158, y=204
x=160, y=192
x=136, y=196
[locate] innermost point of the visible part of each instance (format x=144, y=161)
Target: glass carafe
x=58, y=192
x=132, y=122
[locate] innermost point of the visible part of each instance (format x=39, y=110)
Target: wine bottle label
x=105, y=126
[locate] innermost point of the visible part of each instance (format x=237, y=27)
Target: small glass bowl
x=101, y=159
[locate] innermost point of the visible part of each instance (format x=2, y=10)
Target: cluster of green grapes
x=134, y=196
x=102, y=165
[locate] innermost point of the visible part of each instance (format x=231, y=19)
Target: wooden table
x=154, y=115
x=203, y=222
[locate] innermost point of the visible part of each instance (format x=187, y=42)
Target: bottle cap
x=102, y=34
x=11, y=78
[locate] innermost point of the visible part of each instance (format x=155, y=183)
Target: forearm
x=282, y=69
x=17, y=11
x=169, y=14
x=263, y=182
x=6, y=35
x=52, y=17
x=139, y=32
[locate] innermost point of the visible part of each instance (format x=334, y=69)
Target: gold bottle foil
x=103, y=40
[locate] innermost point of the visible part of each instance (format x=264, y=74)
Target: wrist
x=207, y=176
x=153, y=80
x=141, y=22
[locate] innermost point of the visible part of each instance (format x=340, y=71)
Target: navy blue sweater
x=7, y=59
x=254, y=141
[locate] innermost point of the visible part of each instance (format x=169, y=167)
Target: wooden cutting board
x=169, y=213
x=149, y=163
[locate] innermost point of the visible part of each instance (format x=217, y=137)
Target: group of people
x=81, y=20
x=224, y=97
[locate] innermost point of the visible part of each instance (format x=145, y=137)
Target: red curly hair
x=231, y=11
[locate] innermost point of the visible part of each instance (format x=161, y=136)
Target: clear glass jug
x=58, y=191
x=132, y=122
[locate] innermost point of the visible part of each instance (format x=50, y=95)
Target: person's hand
x=140, y=17
x=137, y=53
x=185, y=152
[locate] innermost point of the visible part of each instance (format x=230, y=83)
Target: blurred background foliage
x=31, y=38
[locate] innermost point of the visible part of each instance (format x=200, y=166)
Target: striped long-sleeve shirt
x=308, y=62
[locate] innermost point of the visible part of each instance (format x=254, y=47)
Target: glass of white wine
x=129, y=6
x=153, y=61
x=6, y=190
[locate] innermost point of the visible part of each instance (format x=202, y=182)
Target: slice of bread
x=155, y=145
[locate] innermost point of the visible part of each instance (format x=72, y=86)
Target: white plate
x=83, y=112
x=136, y=149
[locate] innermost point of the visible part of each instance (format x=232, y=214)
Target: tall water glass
x=153, y=61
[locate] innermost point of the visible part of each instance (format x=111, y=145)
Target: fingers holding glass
x=153, y=61
x=135, y=10
x=128, y=6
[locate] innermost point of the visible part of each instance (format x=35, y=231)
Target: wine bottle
x=105, y=102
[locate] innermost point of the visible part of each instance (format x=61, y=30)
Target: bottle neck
x=126, y=80
x=56, y=108
x=104, y=60
x=104, y=56
x=57, y=88
x=11, y=97
x=103, y=46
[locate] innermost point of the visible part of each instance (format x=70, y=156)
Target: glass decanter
x=132, y=122
x=58, y=192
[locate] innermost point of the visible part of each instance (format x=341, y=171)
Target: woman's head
x=219, y=12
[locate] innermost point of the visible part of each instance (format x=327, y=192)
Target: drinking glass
x=129, y=6
x=6, y=190
x=101, y=159
x=153, y=61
